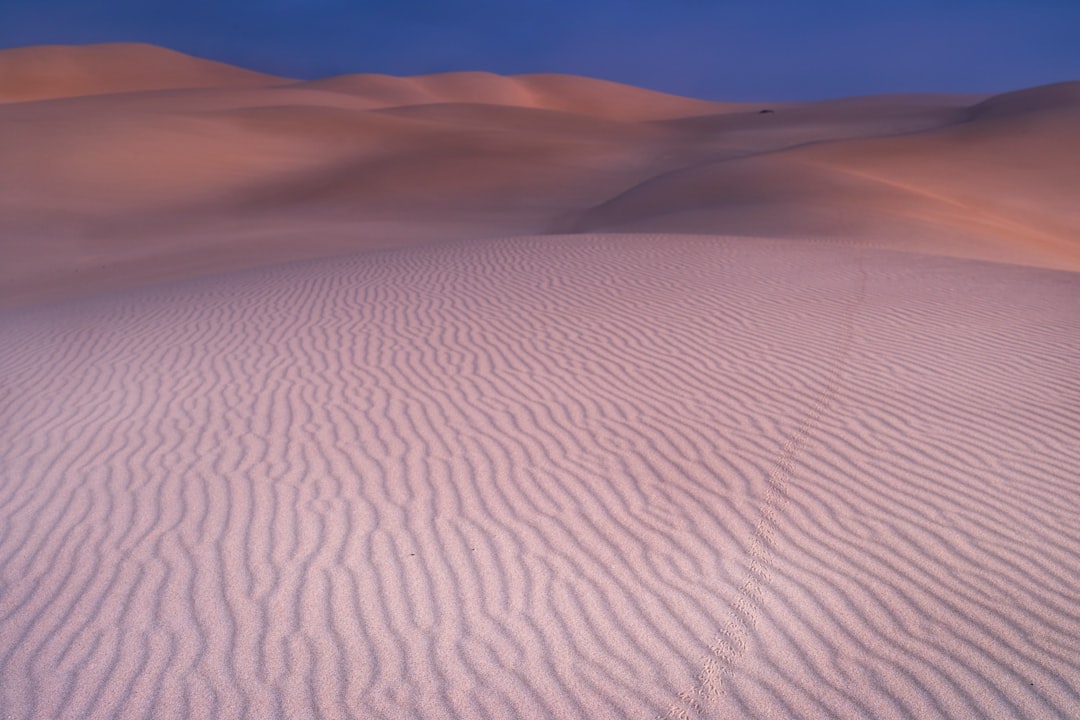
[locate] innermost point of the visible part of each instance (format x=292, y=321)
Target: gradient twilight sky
x=719, y=49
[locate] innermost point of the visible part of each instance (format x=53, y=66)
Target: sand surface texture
x=538, y=397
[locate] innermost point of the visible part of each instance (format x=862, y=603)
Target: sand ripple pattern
x=578, y=477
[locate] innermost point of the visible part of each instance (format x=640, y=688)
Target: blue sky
x=737, y=50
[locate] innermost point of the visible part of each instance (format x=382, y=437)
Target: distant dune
x=468, y=396
x=216, y=168
x=57, y=71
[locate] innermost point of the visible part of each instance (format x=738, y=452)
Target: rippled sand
x=594, y=476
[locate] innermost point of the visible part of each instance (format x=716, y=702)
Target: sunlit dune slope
x=998, y=180
x=53, y=71
x=216, y=168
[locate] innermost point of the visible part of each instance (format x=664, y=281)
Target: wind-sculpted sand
x=471, y=396
x=610, y=476
x=126, y=165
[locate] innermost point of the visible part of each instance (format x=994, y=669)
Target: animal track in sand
x=731, y=642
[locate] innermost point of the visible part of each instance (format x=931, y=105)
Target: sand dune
x=578, y=477
x=56, y=71
x=468, y=396
x=103, y=191
x=986, y=182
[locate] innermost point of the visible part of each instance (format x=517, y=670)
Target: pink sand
x=311, y=406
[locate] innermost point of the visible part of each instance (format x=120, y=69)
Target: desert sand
x=470, y=396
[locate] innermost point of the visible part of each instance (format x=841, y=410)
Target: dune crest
x=59, y=71
x=566, y=93
x=1054, y=98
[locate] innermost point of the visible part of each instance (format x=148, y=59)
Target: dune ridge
x=45, y=72
x=567, y=93
x=590, y=476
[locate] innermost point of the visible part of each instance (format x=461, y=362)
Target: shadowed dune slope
x=598, y=477
x=1031, y=102
x=96, y=195
x=107, y=191
x=54, y=71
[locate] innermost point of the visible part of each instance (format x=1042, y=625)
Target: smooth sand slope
x=466, y=396
x=577, y=477
x=58, y=71
x=118, y=184
x=997, y=180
